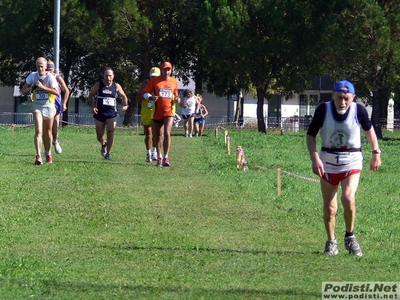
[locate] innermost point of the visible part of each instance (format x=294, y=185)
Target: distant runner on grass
x=165, y=91
x=44, y=89
x=61, y=103
x=105, y=109
x=146, y=114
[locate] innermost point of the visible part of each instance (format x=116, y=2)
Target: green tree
x=21, y=23
x=268, y=45
x=146, y=33
x=365, y=49
x=27, y=33
x=133, y=36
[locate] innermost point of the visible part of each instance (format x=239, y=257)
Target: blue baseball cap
x=344, y=86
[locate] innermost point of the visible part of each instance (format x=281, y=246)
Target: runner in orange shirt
x=162, y=91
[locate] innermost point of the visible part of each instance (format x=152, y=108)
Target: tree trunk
x=260, y=110
x=384, y=101
x=375, y=117
x=238, y=109
x=129, y=113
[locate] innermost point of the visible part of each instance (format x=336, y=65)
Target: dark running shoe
x=38, y=160
x=103, y=149
x=165, y=162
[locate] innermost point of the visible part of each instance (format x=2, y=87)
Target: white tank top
x=191, y=103
x=341, y=135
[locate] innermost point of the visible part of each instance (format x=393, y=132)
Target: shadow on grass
x=213, y=250
x=85, y=287
x=182, y=134
x=95, y=161
x=390, y=139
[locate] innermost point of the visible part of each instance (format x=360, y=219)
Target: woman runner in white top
x=189, y=106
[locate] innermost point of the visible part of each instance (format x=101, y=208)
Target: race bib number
x=165, y=93
x=109, y=101
x=42, y=95
x=338, y=158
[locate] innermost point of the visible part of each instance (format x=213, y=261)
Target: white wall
x=219, y=106
x=290, y=107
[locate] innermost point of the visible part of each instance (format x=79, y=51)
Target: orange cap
x=166, y=64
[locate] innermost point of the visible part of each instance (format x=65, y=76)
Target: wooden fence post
x=279, y=172
x=228, y=144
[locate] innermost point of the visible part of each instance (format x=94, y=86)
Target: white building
x=278, y=111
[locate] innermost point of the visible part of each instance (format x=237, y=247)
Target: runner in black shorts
x=105, y=109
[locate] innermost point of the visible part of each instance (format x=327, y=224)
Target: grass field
x=86, y=228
